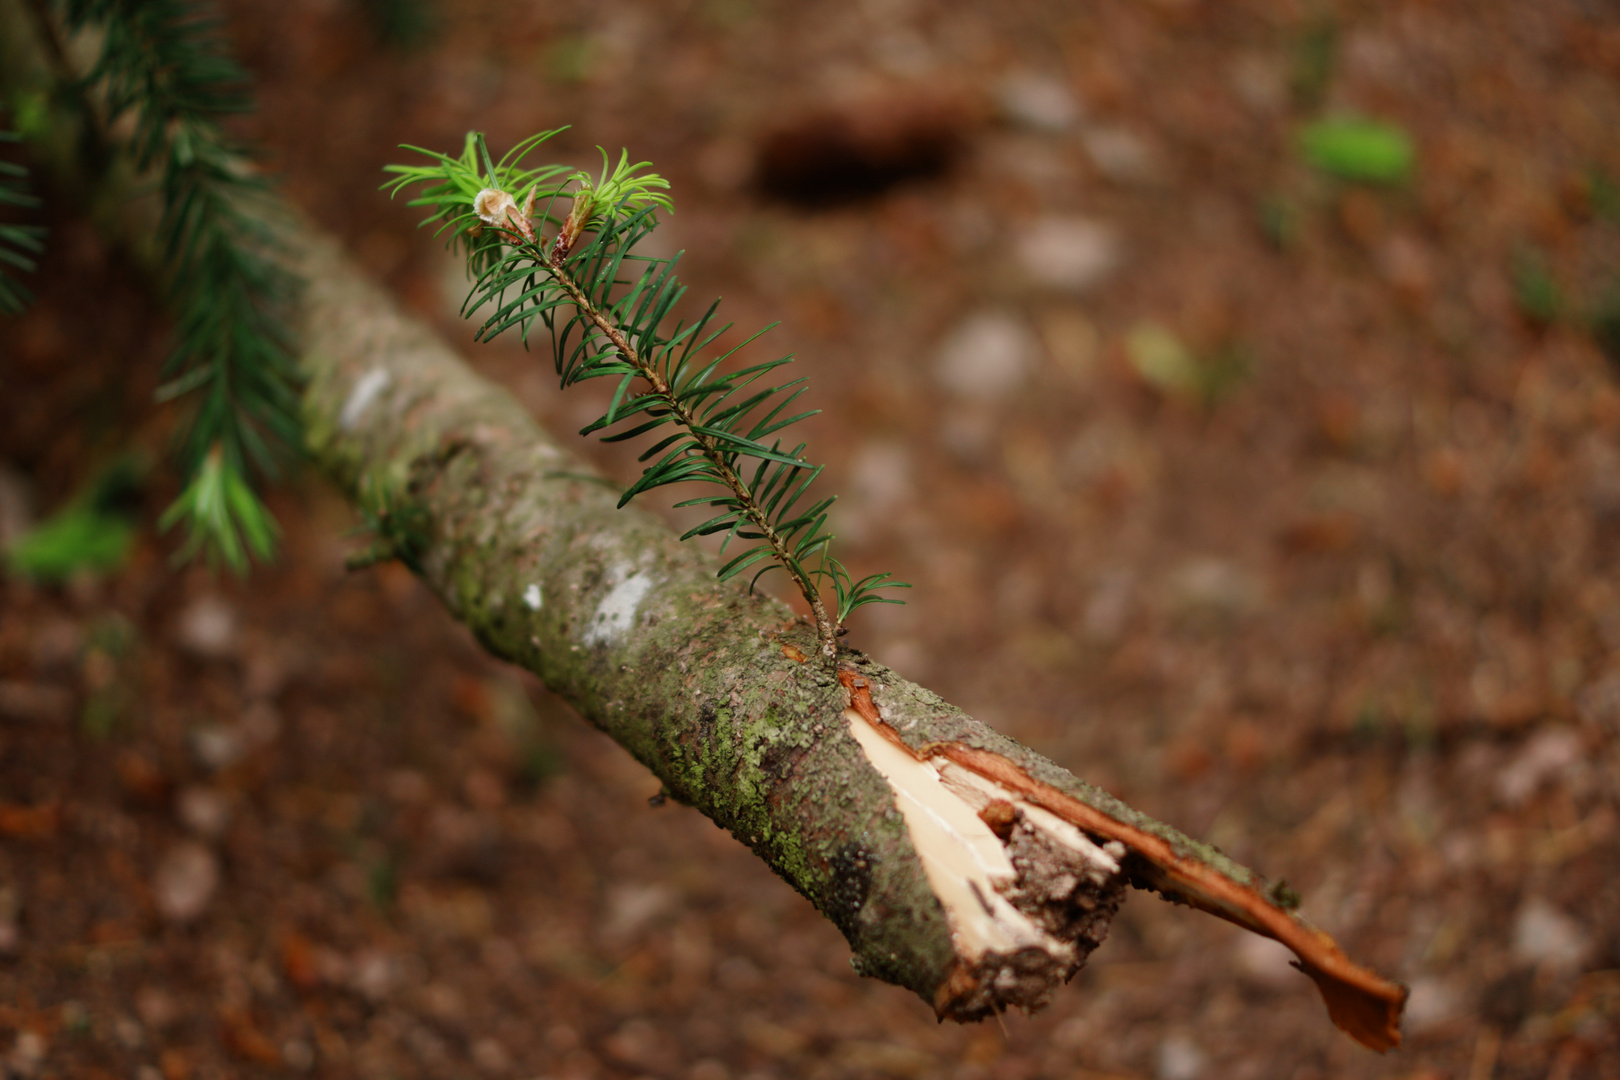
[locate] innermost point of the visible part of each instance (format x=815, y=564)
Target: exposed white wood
x=966, y=863
x=979, y=792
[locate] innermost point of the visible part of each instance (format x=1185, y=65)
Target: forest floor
x=1283, y=505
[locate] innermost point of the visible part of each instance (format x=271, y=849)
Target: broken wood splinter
x=974, y=815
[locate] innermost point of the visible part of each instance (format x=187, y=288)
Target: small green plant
x=18, y=243
x=1535, y=290
x=92, y=534
x=1355, y=148
x=80, y=539
x=1163, y=361
x=607, y=310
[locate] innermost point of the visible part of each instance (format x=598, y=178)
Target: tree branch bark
x=716, y=690
x=958, y=863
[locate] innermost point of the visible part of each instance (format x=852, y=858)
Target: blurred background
x=1236, y=383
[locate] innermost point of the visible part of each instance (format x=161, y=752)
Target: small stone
x=1261, y=82
x=986, y=356
x=129, y=1033
x=1073, y=254
x=631, y=908
x=156, y=1007
x=218, y=746
x=204, y=811
x=28, y=1053
x=489, y=1055
x=298, y=1055
x=637, y=1042
x=1179, y=1059
x=208, y=628
x=1431, y=1003
x=883, y=474
x=1266, y=964
x=185, y=882
x=1546, y=757
x=1546, y=937
x=1039, y=102
x=1121, y=155
x=1215, y=586
x=375, y=975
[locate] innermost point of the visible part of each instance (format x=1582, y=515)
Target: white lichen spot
x=366, y=389
x=531, y=597
x=617, y=611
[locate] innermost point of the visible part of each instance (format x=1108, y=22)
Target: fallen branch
x=711, y=689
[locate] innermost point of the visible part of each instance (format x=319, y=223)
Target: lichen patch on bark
x=366, y=389
x=616, y=614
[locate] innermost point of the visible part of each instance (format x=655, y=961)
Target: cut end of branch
x=1044, y=834
x=1366, y=1006
x=1027, y=895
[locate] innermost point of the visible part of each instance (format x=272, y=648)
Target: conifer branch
x=826, y=630
x=489, y=209
x=164, y=63
x=18, y=243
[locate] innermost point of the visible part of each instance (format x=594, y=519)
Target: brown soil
x=1349, y=610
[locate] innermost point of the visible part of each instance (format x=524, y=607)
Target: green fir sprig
x=164, y=63
x=18, y=243
x=607, y=309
